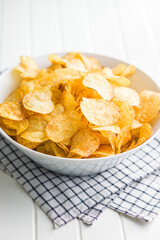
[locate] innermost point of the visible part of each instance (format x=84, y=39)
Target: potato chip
x=39, y=101
x=27, y=68
x=26, y=143
x=54, y=59
x=19, y=126
x=149, y=106
x=28, y=86
x=145, y=133
x=115, y=128
x=103, y=140
x=135, y=128
x=104, y=151
x=93, y=64
x=111, y=137
x=77, y=65
x=65, y=74
x=9, y=131
x=12, y=110
x=100, y=84
x=63, y=147
x=127, y=94
x=84, y=143
x=119, y=69
x=99, y=111
x=15, y=96
x=58, y=151
x=129, y=70
x=36, y=130
x=127, y=113
x=41, y=149
x=68, y=101
x=122, y=138
x=63, y=126
x=58, y=109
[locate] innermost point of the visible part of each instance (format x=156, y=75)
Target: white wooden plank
x=139, y=230
x=46, y=27
x=45, y=229
x=16, y=211
x=139, y=42
x=108, y=226
x=15, y=36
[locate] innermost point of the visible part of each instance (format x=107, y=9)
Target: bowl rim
x=119, y=155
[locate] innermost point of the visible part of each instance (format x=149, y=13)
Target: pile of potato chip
x=78, y=109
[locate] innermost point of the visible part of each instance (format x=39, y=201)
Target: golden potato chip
x=111, y=137
x=63, y=147
x=53, y=67
x=28, y=86
x=77, y=65
x=149, y=106
x=128, y=95
x=122, y=138
x=9, y=131
x=39, y=101
x=127, y=113
x=119, y=69
x=15, y=96
x=19, y=126
x=145, y=133
x=54, y=59
x=84, y=142
x=65, y=74
x=94, y=64
x=58, y=109
x=104, y=151
x=135, y=128
x=63, y=126
x=114, y=128
x=103, y=140
x=58, y=151
x=100, y=84
x=99, y=111
x=27, y=68
x=129, y=70
x=36, y=130
x=68, y=101
x=26, y=143
x=12, y=110
x=41, y=149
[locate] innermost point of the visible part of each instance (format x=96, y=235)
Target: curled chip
x=65, y=74
x=94, y=64
x=12, y=110
x=104, y=151
x=27, y=68
x=84, y=143
x=63, y=126
x=123, y=70
x=39, y=101
x=68, y=101
x=127, y=94
x=54, y=59
x=58, y=109
x=149, y=106
x=145, y=133
x=76, y=64
x=58, y=151
x=135, y=127
x=99, y=111
x=19, y=126
x=99, y=83
x=127, y=113
x=10, y=132
x=36, y=130
x=111, y=137
x=114, y=128
x=122, y=138
x=15, y=96
x=26, y=143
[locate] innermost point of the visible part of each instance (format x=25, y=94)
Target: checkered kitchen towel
x=132, y=187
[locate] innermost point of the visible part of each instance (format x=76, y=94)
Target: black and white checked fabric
x=132, y=187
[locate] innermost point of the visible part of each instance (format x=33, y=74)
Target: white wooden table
x=125, y=29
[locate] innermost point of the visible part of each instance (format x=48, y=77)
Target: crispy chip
x=103, y=140
x=129, y=70
x=99, y=111
x=127, y=94
x=12, y=110
x=10, y=132
x=26, y=143
x=119, y=69
x=58, y=109
x=122, y=138
x=77, y=65
x=135, y=128
x=27, y=68
x=149, y=106
x=19, y=126
x=39, y=101
x=104, y=151
x=84, y=143
x=65, y=74
x=15, y=96
x=127, y=113
x=100, y=84
x=114, y=128
x=63, y=126
x=145, y=133
x=36, y=130
x=111, y=137
x=68, y=101
x=54, y=59
x=94, y=64
x=58, y=151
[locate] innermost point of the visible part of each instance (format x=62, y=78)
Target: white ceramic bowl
x=79, y=167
